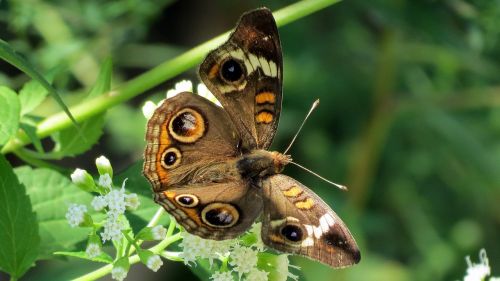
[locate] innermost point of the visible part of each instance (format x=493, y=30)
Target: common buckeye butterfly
x=209, y=166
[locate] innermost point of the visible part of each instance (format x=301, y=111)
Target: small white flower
x=195, y=247
x=182, y=86
x=203, y=91
x=105, y=181
x=159, y=232
x=478, y=272
x=243, y=259
x=116, y=201
x=112, y=229
x=75, y=214
x=99, y=203
x=256, y=275
x=154, y=263
x=132, y=201
x=78, y=176
x=118, y=273
x=222, y=276
x=93, y=250
x=148, y=109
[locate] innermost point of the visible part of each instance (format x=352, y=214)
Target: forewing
x=186, y=134
x=252, y=100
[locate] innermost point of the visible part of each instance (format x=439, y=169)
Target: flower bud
x=151, y=260
x=120, y=269
x=104, y=166
x=83, y=180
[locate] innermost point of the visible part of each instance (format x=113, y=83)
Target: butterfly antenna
x=343, y=187
x=314, y=105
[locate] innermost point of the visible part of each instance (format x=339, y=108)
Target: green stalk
x=153, y=77
x=157, y=249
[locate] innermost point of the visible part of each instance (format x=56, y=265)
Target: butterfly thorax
x=261, y=163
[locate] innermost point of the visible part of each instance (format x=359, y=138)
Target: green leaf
x=33, y=93
x=19, y=239
x=104, y=258
x=103, y=83
x=9, y=114
x=8, y=54
x=30, y=130
x=137, y=183
x=51, y=193
x=74, y=141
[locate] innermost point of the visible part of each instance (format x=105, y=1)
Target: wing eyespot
x=171, y=158
x=292, y=232
x=187, y=200
x=231, y=71
x=187, y=125
x=220, y=215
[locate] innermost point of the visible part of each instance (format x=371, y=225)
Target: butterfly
x=210, y=168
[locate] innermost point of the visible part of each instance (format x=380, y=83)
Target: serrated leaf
x=19, y=239
x=74, y=141
x=8, y=54
x=103, y=257
x=9, y=114
x=103, y=83
x=33, y=93
x=138, y=184
x=51, y=193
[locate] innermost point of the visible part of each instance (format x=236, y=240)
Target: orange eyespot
x=171, y=158
x=220, y=215
x=187, y=126
x=187, y=200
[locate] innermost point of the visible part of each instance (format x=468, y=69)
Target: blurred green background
x=409, y=117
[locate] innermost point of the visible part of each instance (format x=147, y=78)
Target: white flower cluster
x=113, y=201
x=241, y=259
x=196, y=247
x=479, y=272
x=183, y=86
x=76, y=214
x=116, y=201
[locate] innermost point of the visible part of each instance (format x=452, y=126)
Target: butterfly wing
x=245, y=74
x=297, y=221
x=215, y=211
x=185, y=135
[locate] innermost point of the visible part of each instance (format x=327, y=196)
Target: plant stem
x=157, y=249
x=153, y=77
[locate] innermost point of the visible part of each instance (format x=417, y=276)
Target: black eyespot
x=231, y=70
x=292, y=232
x=219, y=216
x=184, y=124
x=170, y=158
x=187, y=200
